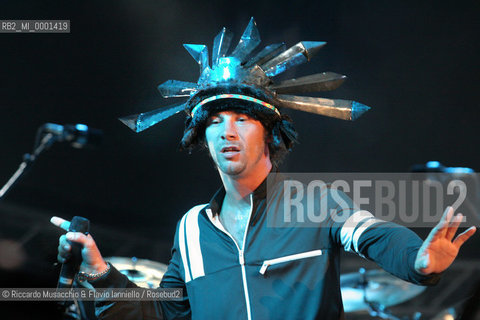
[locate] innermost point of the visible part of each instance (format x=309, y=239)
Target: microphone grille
x=79, y=224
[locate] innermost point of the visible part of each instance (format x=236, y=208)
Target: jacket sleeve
x=175, y=278
x=130, y=310
x=123, y=310
x=393, y=247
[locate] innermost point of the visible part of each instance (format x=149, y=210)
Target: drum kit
x=373, y=291
x=376, y=290
x=144, y=273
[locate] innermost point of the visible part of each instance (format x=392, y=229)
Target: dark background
x=415, y=63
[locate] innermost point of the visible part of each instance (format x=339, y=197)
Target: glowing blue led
x=81, y=127
x=459, y=170
x=226, y=73
x=433, y=164
x=226, y=69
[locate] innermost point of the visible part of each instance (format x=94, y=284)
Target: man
x=236, y=257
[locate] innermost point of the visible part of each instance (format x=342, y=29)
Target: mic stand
x=28, y=160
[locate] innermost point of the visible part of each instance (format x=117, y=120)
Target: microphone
x=79, y=135
x=71, y=267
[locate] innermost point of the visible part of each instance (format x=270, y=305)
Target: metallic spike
x=312, y=47
x=205, y=77
x=266, y=54
x=341, y=109
x=199, y=52
x=221, y=44
x=295, y=55
x=248, y=42
x=258, y=77
x=358, y=109
x=141, y=121
x=195, y=50
x=175, y=88
x=292, y=61
x=324, y=81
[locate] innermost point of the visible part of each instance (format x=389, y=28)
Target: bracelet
x=83, y=276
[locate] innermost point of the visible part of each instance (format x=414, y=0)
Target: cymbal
x=377, y=286
x=144, y=273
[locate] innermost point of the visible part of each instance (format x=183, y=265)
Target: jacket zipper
x=292, y=257
x=241, y=259
x=242, y=262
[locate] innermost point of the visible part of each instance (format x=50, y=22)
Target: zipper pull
x=264, y=267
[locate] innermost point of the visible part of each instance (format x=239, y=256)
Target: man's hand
x=92, y=259
x=439, y=251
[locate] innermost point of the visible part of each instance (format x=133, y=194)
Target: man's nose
x=229, y=129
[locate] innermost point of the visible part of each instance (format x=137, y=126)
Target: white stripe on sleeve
x=351, y=232
x=361, y=230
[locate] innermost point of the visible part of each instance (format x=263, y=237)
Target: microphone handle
x=71, y=267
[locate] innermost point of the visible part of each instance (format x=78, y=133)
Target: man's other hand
x=440, y=248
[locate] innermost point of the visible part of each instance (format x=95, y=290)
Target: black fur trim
x=280, y=128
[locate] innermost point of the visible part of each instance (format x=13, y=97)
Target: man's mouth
x=230, y=149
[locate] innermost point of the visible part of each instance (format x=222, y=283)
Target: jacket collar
x=216, y=202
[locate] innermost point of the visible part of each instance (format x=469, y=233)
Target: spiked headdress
x=243, y=77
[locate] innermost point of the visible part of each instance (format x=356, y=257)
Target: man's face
x=237, y=143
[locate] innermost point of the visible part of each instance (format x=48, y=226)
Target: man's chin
x=231, y=169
